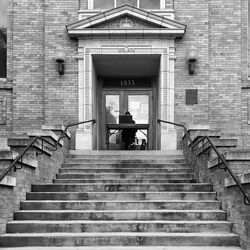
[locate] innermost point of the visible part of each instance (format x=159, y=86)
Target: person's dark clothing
x=128, y=136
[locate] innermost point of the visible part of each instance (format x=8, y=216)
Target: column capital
x=172, y=55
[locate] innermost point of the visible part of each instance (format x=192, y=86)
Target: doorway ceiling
x=126, y=65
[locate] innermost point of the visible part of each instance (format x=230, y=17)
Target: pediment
x=127, y=20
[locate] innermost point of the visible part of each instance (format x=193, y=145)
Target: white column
x=84, y=131
x=168, y=132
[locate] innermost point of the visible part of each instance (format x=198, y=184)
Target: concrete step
x=127, y=160
x=238, y=161
x=122, y=181
x=121, y=196
x=130, y=248
x=126, y=153
x=119, y=205
x=124, y=175
x=125, y=170
x=121, y=187
x=106, y=165
x=117, y=226
x=162, y=214
x=222, y=145
x=119, y=238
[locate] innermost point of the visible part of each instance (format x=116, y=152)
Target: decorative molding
x=126, y=22
x=112, y=23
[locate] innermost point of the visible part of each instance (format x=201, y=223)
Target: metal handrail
x=20, y=156
x=220, y=156
x=72, y=125
x=178, y=125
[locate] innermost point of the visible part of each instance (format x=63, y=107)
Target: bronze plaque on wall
x=191, y=96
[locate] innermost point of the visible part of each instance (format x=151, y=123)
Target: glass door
x=111, y=109
x=115, y=103
x=139, y=107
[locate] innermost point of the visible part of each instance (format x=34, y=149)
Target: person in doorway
x=128, y=135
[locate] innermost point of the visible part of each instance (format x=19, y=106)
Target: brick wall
x=40, y=95
x=216, y=28
x=225, y=65
x=83, y=4
x=231, y=197
x=28, y=64
x=46, y=170
x=195, y=15
x=6, y=84
x=61, y=92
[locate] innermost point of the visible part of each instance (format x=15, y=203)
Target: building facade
x=180, y=61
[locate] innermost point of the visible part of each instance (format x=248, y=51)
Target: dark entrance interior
x=126, y=83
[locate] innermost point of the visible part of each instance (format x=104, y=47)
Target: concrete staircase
x=113, y=199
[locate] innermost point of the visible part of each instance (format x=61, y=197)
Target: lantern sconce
x=60, y=56
x=192, y=54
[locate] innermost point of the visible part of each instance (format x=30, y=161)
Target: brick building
x=145, y=44
x=181, y=61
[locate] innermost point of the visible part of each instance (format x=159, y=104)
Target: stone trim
x=166, y=89
x=167, y=13
x=87, y=26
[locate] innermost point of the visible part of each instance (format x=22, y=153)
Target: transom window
x=144, y=4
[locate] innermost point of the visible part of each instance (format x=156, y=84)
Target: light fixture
x=192, y=58
x=60, y=56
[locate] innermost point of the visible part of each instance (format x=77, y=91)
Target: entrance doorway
x=113, y=103
x=126, y=83
x=119, y=62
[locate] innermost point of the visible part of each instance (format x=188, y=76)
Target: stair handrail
x=220, y=157
x=226, y=168
x=34, y=140
x=178, y=125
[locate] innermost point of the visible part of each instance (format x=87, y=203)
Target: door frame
x=88, y=88
x=123, y=102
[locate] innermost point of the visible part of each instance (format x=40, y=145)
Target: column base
x=84, y=140
x=169, y=141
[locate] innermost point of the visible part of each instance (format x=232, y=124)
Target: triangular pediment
x=126, y=22
x=126, y=19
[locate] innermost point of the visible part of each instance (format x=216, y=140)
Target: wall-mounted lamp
x=192, y=54
x=60, y=56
